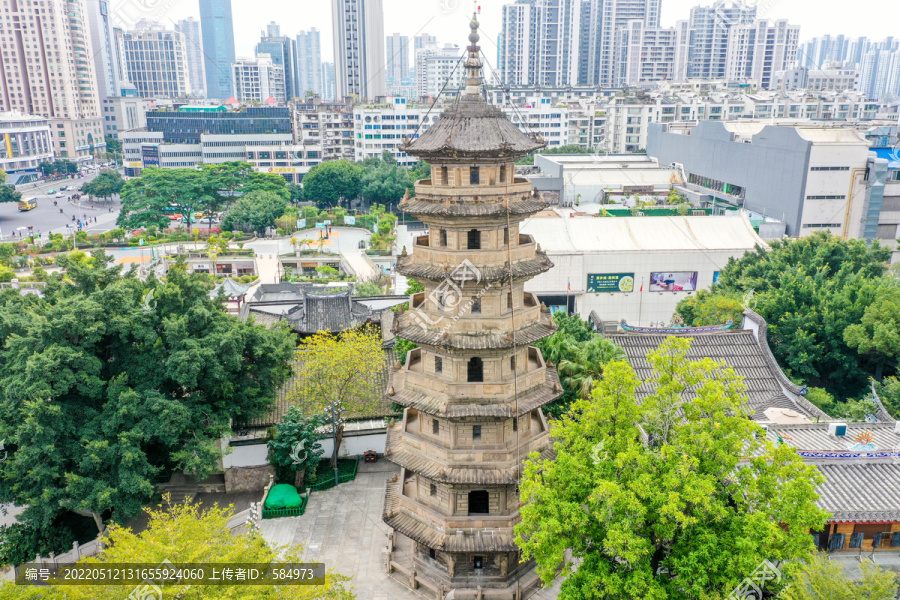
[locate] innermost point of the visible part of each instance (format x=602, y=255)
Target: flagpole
x=641, y=302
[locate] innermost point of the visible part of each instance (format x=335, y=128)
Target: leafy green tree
x=294, y=449
x=9, y=193
x=187, y=533
x=296, y=192
x=146, y=199
x=810, y=291
x=712, y=308
x=271, y=183
x=367, y=288
x=384, y=181
x=585, y=369
x=254, y=212
x=821, y=398
x=147, y=377
x=421, y=170
x=569, y=149
x=658, y=498
x=105, y=185
x=877, y=335
x=413, y=287
x=888, y=392
x=113, y=145
x=332, y=183
x=402, y=348
x=821, y=579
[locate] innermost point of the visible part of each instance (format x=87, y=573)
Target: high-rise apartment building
x=438, y=68
x=328, y=85
x=598, y=23
x=218, y=46
x=283, y=52
x=53, y=78
x=538, y=43
x=309, y=63
x=709, y=27
x=104, y=49
x=645, y=55
x=156, y=61
x=193, y=42
x=258, y=79
x=756, y=52
x=358, y=48
x=397, y=55
x=879, y=70
x=822, y=52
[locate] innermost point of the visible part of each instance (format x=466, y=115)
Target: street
x=47, y=218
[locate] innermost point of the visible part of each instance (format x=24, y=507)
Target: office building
x=757, y=51
x=25, y=142
x=55, y=79
x=538, y=44
x=218, y=47
x=309, y=63
x=709, y=27
x=358, y=27
x=156, y=61
x=259, y=80
x=283, y=52
x=193, y=43
x=599, y=21
x=397, y=55
x=103, y=46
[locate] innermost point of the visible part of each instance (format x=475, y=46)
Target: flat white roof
x=629, y=234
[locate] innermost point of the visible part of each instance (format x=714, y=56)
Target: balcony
x=450, y=258
x=426, y=190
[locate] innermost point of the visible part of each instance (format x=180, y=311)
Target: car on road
x=59, y=195
x=51, y=192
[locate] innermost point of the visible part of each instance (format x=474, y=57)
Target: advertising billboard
x=150, y=155
x=610, y=282
x=679, y=281
x=349, y=220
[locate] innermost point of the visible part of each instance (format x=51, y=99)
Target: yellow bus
x=27, y=204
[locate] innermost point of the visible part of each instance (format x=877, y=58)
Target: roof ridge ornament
x=473, y=61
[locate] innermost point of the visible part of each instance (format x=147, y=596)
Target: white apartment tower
x=48, y=70
x=258, y=79
x=645, y=55
x=435, y=67
x=190, y=27
x=756, y=52
x=358, y=48
x=309, y=63
x=539, y=43
x=103, y=44
x=599, y=22
x=709, y=27
x=156, y=61
x=397, y=52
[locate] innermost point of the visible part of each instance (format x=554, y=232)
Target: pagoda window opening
x=433, y=492
x=512, y=363
x=475, y=370
x=506, y=236
x=476, y=305
x=474, y=177
x=435, y=427
x=503, y=173
x=443, y=237
x=476, y=432
x=515, y=423
x=478, y=562
x=438, y=364
x=445, y=176
x=479, y=502
x=474, y=240
x=508, y=300
x=432, y=553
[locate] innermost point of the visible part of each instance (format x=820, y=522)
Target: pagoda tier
x=474, y=387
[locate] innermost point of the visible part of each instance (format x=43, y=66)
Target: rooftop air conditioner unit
x=837, y=429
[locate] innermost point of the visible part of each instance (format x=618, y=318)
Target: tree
x=878, y=332
x=113, y=145
x=684, y=514
x=294, y=450
x=712, y=308
x=105, y=184
x=386, y=183
x=810, y=290
x=333, y=182
x=334, y=376
x=367, y=288
x=148, y=199
x=254, y=212
x=9, y=193
x=821, y=579
x=888, y=392
x=187, y=534
x=147, y=377
x=421, y=170
x=585, y=368
x=528, y=159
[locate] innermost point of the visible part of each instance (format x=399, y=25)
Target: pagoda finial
x=473, y=61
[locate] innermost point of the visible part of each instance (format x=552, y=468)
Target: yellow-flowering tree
x=188, y=534
x=335, y=375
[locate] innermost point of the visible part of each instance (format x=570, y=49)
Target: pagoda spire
x=473, y=63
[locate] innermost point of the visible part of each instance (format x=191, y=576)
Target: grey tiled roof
x=861, y=491
x=815, y=436
x=333, y=312
x=738, y=349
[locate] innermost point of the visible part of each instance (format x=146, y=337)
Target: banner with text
x=610, y=282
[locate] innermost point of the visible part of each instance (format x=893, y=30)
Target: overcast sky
x=447, y=19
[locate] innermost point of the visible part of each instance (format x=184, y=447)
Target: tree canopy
x=9, y=193
x=147, y=200
x=827, y=302
x=105, y=184
x=333, y=182
x=384, y=181
x=673, y=497
x=147, y=377
x=255, y=211
x=187, y=534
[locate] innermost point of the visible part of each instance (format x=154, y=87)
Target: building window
x=438, y=364
x=827, y=197
x=479, y=502
x=478, y=562
x=473, y=176
x=506, y=236
x=512, y=363
x=431, y=551
x=476, y=305
x=515, y=423
x=503, y=173
x=443, y=236
x=508, y=300
x=474, y=240
x=829, y=168
x=445, y=176
x=435, y=427
x=476, y=432
x=475, y=370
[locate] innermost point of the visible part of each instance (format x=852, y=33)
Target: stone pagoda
x=474, y=388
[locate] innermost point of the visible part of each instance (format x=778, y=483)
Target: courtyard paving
x=342, y=528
